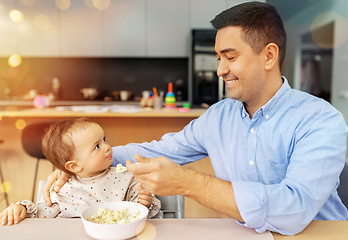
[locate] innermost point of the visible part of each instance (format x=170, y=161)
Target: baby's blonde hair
x=57, y=144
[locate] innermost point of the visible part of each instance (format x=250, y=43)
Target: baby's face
x=93, y=153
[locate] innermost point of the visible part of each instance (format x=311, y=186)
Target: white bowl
x=115, y=231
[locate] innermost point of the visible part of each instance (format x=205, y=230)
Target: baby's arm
x=44, y=211
x=143, y=197
x=13, y=214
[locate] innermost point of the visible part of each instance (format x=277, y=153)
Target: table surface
x=188, y=228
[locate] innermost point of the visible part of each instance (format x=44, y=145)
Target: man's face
x=239, y=66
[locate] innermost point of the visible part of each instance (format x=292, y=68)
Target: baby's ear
x=73, y=166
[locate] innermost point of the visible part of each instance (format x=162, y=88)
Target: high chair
x=32, y=136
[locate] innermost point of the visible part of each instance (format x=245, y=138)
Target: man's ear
x=73, y=166
x=271, y=55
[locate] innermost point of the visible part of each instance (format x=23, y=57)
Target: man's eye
x=96, y=147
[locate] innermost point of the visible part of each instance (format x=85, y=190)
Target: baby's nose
x=107, y=147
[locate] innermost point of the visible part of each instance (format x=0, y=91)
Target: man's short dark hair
x=260, y=23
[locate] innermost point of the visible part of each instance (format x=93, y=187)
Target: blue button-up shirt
x=283, y=163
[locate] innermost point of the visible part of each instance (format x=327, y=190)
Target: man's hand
x=13, y=214
x=160, y=176
x=58, y=178
x=164, y=177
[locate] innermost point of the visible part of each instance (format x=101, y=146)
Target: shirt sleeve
x=31, y=210
x=41, y=210
x=315, y=163
x=181, y=147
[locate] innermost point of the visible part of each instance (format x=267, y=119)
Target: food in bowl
x=105, y=216
x=115, y=231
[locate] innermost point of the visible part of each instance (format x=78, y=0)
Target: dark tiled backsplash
x=106, y=74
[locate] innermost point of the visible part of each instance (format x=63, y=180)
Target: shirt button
x=267, y=116
x=252, y=130
x=243, y=115
x=251, y=162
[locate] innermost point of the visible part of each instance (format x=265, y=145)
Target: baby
x=78, y=147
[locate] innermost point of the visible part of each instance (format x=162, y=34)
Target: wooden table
x=320, y=230
x=170, y=229
x=155, y=229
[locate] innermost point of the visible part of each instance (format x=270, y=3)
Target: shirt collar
x=277, y=100
x=273, y=104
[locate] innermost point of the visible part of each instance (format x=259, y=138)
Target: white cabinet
x=81, y=30
x=127, y=28
x=38, y=32
x=231, y=3
x=8, y=37
x=203, y=11
x=124, y=29
x=167, y=28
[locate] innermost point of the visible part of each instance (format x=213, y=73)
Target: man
x=277, y=153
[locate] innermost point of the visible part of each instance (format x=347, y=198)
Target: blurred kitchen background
x=58, y=47
x=136, y=45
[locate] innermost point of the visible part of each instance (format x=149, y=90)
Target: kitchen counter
x=29, y=103
x=90, y=108
x=100, y=111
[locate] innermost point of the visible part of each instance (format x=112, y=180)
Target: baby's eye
x=96, y=147
x=104, y=139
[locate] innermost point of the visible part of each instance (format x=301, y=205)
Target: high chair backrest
x=39, y=190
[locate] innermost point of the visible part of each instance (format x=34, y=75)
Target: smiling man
x=277, y=152
x=251, y=77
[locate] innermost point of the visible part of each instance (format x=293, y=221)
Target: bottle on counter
x=56, y=88
x=145, y=97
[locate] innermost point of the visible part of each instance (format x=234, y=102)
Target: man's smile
x=230, y=81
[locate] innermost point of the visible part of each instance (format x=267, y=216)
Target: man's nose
x=222, y=69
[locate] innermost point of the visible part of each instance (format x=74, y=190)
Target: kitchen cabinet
x=81, y=31
x=168, y=28
x=231, y=3
x=124, y=29
x=127, y=28
x=38, y=32
x=8, y=36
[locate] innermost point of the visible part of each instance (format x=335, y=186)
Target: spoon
x=120, y=168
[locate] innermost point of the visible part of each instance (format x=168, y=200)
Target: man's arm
x=59, y=178
x=163, y=177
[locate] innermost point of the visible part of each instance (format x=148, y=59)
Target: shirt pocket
x=277, y=170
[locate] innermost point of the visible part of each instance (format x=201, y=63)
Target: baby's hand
x=13, y=214
x=145, y=197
